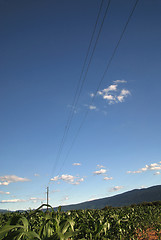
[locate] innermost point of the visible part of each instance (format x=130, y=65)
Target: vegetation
x=108, y=223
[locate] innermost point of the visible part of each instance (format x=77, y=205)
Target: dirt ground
x=149, y=234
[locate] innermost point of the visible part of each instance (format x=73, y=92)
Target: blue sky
x=43, y=47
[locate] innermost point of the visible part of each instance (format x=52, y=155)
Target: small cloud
x=13, y=201
x=112, y=87
x=68, y=179
x=1, y=192
x=76, y=164
x=78, y=181
x=54, y=191
x=120, y=98
x=5, y=180
x=157, y=173
x=151, y=167
x=91, y=94
x=56, y=178
x=101, y=171
x=4, y=183
x=138, y=171
x=117, y=188
x=113, y=94
x=100, y=166
x=108, y=178
x=92, y=107
x=119, y=81
x=37, y=175
x=125, y=92
x=35, y=199
x=108, y=97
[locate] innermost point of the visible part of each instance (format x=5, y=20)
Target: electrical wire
x=79, y=88
x=101, y=80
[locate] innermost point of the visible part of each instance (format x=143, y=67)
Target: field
x=134, y=222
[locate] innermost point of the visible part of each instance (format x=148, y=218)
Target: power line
x=80, y=87
x=101, y=80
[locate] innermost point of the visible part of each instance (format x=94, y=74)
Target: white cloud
x=1, y=192
x=100, y=166
x=5, y=180
x=35, y=199
x=117, y=188
x=157, y=173
x=108, y=97
x=101, y=171
x=125, y=92
x=92, y=94
x=119, y=81
x=120, y=98
x=68, y=179
x=112, y=87
x=151, y=167
x=36, y=175
x=92, y=107
x=138, y=171
x=13, y=201
x=108, y=178
x=76, y=164
x=78, y=181
x=4, y=183
x=55, y=191
x=113, y=94
x=56, y=178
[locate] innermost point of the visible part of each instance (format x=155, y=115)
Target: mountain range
x=135, y=196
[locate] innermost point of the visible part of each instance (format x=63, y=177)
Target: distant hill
x=135, y=196
x=4, y=211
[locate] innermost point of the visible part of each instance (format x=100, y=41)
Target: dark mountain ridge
x=135, y=196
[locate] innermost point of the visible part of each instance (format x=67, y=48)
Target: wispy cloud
x=36, y=199
x=100, y=166
x=105, y=91
x=124, y=93
x=92, y=107
x=37, y=175
x=108, y=178
x=116, y=188
x=1, y=192
x=76, y=164
x=99, y=172
x=91, y=94
x=151, y=167
x=119, y=81
x=68, y=179
x=64, y=199
x=157, y=173
x=5, y=180
x=13, y=201
x=55, y=191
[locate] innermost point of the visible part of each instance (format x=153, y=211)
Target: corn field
x=108, y=223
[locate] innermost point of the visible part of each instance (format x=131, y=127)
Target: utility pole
x=47, y=197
